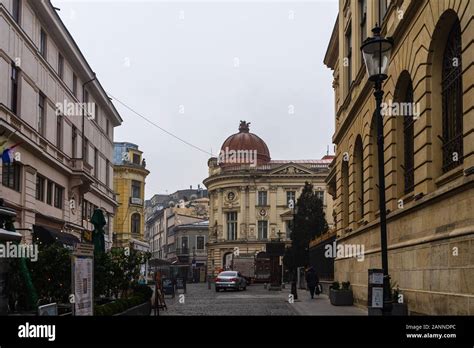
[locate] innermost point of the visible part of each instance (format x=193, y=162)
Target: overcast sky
x=197, y=68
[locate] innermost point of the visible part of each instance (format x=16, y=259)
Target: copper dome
x=245, y=141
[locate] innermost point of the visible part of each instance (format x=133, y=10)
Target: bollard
x=209, y=282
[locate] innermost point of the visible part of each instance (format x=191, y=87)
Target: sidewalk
x=320, y=305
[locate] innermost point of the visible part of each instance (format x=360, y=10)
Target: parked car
x=230, y=280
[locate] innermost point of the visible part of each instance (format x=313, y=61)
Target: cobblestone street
x=256, y=300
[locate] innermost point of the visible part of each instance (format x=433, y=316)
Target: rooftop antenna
x=327, y=152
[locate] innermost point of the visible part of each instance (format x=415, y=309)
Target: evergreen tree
x=309, y=222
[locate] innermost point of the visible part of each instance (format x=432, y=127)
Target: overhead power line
x=159, y=127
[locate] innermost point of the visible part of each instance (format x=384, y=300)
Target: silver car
x=230, y=280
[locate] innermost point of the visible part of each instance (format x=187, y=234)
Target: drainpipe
x=94, y=77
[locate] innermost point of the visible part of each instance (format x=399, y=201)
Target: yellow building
x=129, y=184
x=249, y=196
x=428, y=152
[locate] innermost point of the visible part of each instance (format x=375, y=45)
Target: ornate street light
x=376, y=51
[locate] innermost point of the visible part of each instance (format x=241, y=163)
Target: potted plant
x=341, y=296
x=399, y=307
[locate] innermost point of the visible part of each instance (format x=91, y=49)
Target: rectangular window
x=60, y=65
x=96, y=162
x=43, y=47
x=11, y=176
x=290, y=195
x=59, y=132
x=320, y=195
x=348, y=65
x=84, y=209
x=289, y=227
x=107, y=128
x=184, y=244
x=74, y=85
x=136, y=158
x=363, y=23
x=107, y=173
x=40, y=181
x=262, y=198
x=96, y=114
x=200, y=243
x=136, y=189
x=85, y=150
x=385, y=4
x=16, y=7
x=263, y=229
x=14, y=93
x=41, y=113
x=74, y=142
x=58, y=196
x=232, y=225
x=49, y=193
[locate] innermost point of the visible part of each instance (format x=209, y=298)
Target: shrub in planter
x=398, y=309
x=341, y=296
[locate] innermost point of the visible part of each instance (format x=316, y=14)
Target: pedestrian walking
x=311, y=280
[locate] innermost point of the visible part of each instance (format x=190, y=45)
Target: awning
x=50, y=235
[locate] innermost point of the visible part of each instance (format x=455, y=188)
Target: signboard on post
x=83, y=279
x=375, y=290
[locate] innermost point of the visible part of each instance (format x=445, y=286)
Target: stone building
x=428, y=153
x=165, y=214
x=249, y=196
x=129, y=184
x=59, y=123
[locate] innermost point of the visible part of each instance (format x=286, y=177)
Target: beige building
x=129, y=184
x=428, y=153
x=249, y=198
x=52, y=105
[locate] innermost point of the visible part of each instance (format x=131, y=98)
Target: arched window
x=409, y=140
x=452, y=100
x=405, y=132
x=345, y=193
x=135, y=224
x=359, y=178
x=374, y=163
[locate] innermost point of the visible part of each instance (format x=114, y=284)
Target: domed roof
x=251, y=147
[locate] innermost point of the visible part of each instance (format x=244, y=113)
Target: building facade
x=161, y=223
x=59, y=123
x=428, y=126
x=249, y=198
x=190, y=240
x=129, y=184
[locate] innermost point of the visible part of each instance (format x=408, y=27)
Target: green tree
x=309, y=222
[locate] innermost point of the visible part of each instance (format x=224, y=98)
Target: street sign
x=375, y=288
x=84, y=249
x=83, y=284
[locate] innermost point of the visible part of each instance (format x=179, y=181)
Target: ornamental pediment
x=291, y=169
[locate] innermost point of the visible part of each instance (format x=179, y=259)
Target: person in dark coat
x=311, y=280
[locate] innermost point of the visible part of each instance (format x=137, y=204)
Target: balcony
x=136, y=201
x=182, y=251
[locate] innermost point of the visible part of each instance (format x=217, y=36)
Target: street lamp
x=376, y=52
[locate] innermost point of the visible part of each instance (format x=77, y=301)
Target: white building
x=62, y=167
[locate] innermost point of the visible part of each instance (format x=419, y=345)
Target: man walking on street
x=311, y=280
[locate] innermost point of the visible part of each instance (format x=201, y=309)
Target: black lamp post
x=294, y=286
x=376, y=51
